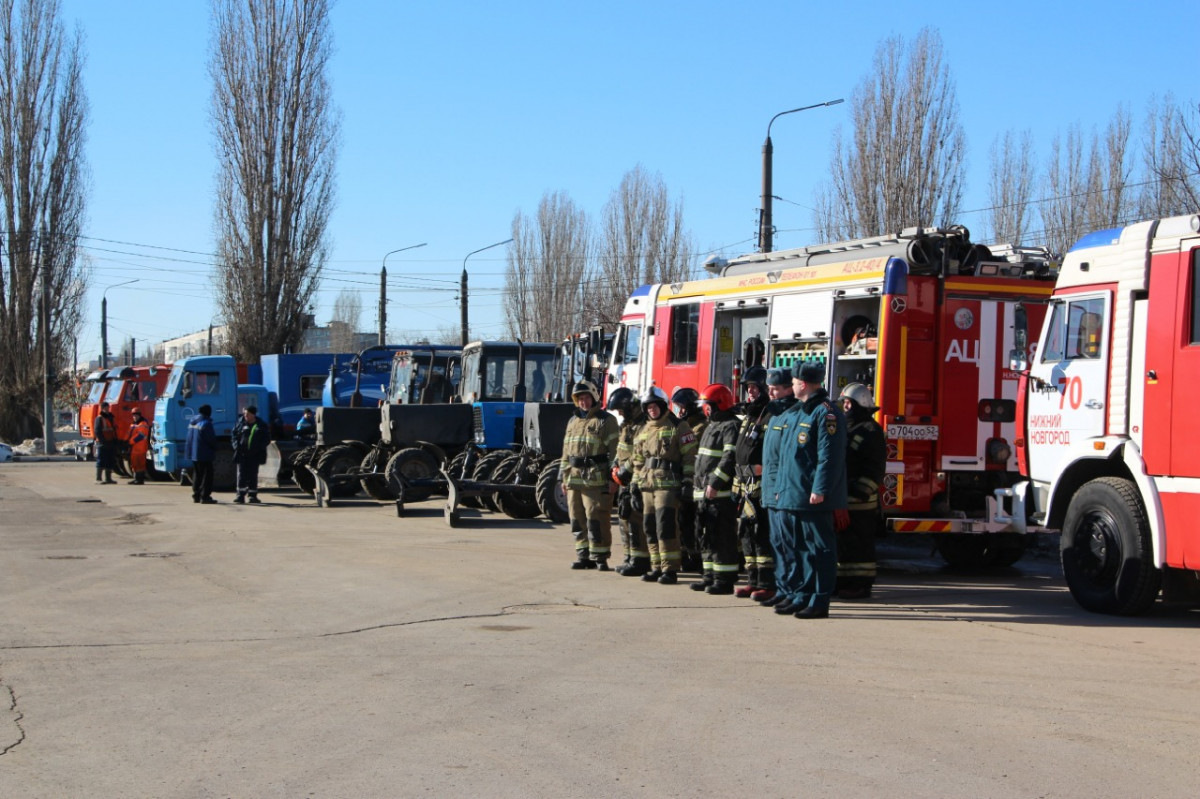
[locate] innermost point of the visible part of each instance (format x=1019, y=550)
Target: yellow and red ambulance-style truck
x=1108, y=433
x=925, y=319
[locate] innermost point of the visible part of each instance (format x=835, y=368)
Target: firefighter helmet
x=655, y=394
x=621, y=400
x=586, y=387
x=860, y=395
x=755, y=374
x=685, y=400
x=718, y=397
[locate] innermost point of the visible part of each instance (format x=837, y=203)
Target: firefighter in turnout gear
x=686, y=404
x=663, y=461
x=633, y=536
x=866, y=464
x=589, y=447
x=716, y=512
x=753, y=533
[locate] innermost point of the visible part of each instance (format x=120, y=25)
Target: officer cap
x=779, y=377
x=811, y=372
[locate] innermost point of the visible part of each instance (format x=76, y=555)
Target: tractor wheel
x=516, y=504
x=301, y=476
x=461, y=468
x=551, y=497
x=377, y=484
x=1106, y=553
x=339, y=460
x=484, y=471
x=413, y=463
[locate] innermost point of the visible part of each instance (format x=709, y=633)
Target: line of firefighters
x=739, y=483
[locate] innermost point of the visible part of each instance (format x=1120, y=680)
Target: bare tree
x=276, y=132
x=343, y=325
x=1171, y=159
x=643, y=240
x=1080, y=198
x=1011, y=190
x=904, y=162
x=544, y=279
x=43, y=113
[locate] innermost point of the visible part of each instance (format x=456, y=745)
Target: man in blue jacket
x=201, y=449
x=808, y=485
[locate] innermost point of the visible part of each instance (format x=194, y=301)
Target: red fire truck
x=924, y=318
x=1107, y=434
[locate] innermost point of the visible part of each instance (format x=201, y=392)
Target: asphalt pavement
x=150, y=647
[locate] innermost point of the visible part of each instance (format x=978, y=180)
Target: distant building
x=210, y=341
x=330, y=338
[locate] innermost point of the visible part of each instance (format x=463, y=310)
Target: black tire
x=377, y=484
x=550, y=496
x=461, y=468
x=1107, y=556
x=413, y=463
x=975, y=552
x=339, y=460
x=483, y=474
x=301, y=476
x=516, y=504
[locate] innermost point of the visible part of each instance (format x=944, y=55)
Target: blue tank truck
x=280, y=387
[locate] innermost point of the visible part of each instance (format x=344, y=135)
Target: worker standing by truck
x=716, y=511
x=664, y=457
x=139, y=444
x=105, y=431
x=633, y=537
x=866, y=464
x=201, y=448
x=250, y=439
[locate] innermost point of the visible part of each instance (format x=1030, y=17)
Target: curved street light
x=383, y=292
x=766, y=229
x=104, y=321
x=463, y=286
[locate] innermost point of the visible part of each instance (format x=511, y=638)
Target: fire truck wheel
x=375, y=482
x=484, y=472
x=550, y=495
x=966, y=551
x=1107, y=558
x=339, y=460
x=517, y=504
x=301, y=476
x=413, y=463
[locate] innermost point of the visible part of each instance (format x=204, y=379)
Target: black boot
x=703, y=583
x=652, y=575
x=584, y=563
x=720, y=587
x=636, y=568
x=602, y=565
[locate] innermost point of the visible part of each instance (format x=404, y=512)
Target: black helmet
x=755, y=374
x=620, y=399
x=685, y=399
x=654, y=394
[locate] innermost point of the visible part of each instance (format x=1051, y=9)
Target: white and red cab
x=1109, y=438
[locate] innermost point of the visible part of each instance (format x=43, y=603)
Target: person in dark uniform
x=201, y=449
x=685, y=402
x=762, y=401
x=809, y=487
x=250, y=439
x=866, y=464
x=716, y=512
x=104, y=430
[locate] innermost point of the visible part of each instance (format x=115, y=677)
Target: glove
x=635, y=500
x=841, y=519
x=686, y=487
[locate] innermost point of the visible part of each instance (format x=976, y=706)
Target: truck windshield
x=96, y=392
x=173, y=380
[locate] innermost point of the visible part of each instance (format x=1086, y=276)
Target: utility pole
x=462, y=287
x=766, y=225
x=382, y=306
x=47, y=379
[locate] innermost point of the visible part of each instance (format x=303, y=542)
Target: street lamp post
x=766, y=230
x=104, y=322
x=462, y=288
x=383, y=292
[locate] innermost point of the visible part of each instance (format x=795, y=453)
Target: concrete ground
x=150, y=647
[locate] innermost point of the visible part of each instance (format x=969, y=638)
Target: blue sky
x=457, y=115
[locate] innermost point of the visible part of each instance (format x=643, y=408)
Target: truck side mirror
x=1018, y=361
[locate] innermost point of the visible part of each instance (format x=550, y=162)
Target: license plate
x=913, y=432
